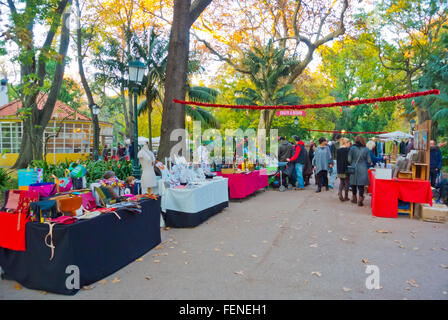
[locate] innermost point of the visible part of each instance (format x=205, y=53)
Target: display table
x=189, y=207
x=98, y=247
x=242, y=185
x=385, y=195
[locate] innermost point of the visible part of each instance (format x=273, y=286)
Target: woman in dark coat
x=359, y=157
x=342, y=163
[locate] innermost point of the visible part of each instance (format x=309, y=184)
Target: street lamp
x=136, y=73
x=96, y=131
x=296, y=121
x=412, y=122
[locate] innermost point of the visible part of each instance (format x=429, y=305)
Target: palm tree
x=268, y=69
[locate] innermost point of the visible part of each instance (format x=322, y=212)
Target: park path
x=282, y=245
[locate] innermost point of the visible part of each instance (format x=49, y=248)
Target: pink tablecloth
x=242, y=185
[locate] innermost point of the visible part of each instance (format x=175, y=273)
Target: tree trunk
x=149, y=126
x=34, y=125
x=173, y=116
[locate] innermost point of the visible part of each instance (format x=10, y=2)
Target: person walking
x=435, y=162
x=342, y=163
x=334, y=148
x=359, y=158
x=322, y=162
x=298, y=160
x=105, y=153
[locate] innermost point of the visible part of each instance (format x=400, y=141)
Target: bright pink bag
x=88, y=201
x=45, y=189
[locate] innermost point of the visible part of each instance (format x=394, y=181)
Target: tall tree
x=185, y=14
x=33, y=61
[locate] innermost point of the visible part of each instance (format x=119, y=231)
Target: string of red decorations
x=329, y=131
x=313, y=106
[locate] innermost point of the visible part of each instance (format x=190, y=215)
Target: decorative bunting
x=316, y=106
x=343, y=131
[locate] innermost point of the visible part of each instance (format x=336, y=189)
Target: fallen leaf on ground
x=344, y=239
x=217, y=249
x=17, y=286
x=346, y=289
x=87, y=287
x=264, y=241
x=230, y=255
x=163, y=254
x=397, y=241
x=155, y=255
x=383, y=231
x=43, y=292
x=415, y=248
x=329, y=231
x=314, y=245
x=148, y=278
x=167, y=228
x=433, y=249
x=116, y=280
x=239, y=273
x=104, y=281
x=443, y=266
x=156, y=261
x=412, y=283
x=159, y=248
x=401, y=246
x=171, y=247
x=316, y=273
x=365, y=260
x=186, y=262
x=139, y=260
x=314, y=237
x=444, y=249
x=254, y=256
x=184, y=251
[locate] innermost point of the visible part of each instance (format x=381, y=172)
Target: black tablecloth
x=177, y=219
x=98, y=247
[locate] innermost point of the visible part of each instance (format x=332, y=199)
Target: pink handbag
x=88, y=201
x=45, y=189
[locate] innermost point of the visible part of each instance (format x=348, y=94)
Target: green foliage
x=95, y=169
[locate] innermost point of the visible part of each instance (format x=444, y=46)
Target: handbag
x=88, y=201
x=42, y=211
x=70, y=206
x=45, y=189
x=351, y=169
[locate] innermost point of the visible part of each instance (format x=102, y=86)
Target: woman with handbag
x=358, y=158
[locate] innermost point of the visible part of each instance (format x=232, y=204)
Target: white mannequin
x=147, y=160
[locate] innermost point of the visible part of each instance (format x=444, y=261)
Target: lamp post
x=296, y=121
x=412, y=122
x=96, y=132
x=136, y=72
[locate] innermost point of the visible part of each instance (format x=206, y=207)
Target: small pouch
x=45, y=189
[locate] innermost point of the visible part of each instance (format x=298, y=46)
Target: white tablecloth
x=204, y=196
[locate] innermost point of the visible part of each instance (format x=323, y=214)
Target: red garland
x=314, y=106
x=347, y=132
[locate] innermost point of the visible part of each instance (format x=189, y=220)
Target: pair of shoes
x=327, y=188
x=360, y=201
x=340, y=196
x=318, y=190
x=354, y=199
x=346, y=197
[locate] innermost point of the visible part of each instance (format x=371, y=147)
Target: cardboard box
x=436, y=213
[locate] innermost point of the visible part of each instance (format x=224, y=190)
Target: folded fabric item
x=45, y=189
x=11, y=237
x=12, y=198
x=64, y=220
x=58, y=200
x=42, y=211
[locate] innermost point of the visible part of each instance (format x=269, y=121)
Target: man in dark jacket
x=435, y=162
x=284, y=150
x=298, y=160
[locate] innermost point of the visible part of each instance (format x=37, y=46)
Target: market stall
x=387, y=192
x=189, y=206
x=98, y=247
x=242, y=185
